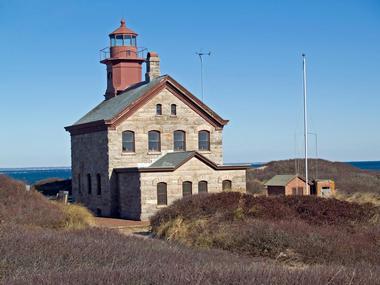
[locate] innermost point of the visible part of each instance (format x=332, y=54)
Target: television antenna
x=201, y=55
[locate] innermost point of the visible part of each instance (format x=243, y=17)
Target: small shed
x=323, y=187
x=287, y=185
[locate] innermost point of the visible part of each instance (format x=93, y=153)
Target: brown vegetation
x=36, y=249
x=348, y=178
x=301, y=229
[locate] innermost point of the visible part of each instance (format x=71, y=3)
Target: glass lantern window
x=119, y=40
x=113, y=40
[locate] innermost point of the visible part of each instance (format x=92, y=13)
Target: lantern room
x=123, y=36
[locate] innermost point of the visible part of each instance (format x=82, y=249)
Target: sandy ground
x=128, y=227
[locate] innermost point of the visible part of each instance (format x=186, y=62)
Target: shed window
x=173, y=109
x=202, y=187
x=98, y=184
x=226, y=185
x=158, y=109
x=162, y=196
x=129, y=141
x=187, y=188
x=154, y=138
x=89, y=186
x=179, y=138
x=297, y=191
x=204, y=140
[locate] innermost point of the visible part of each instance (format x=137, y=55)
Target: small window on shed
x=202, y=187
x=297, y=191
x=89, y=186
x=162, y=196
x=227, y=185
x=159, y=109
x=187, y=188
x=173, y=109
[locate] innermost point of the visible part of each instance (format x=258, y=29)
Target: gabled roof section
x=108, y=109
x=173, y=160
x=281, y=180
x=111, y=112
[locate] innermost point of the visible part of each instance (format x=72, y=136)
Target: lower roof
x=281, y=180
x=173, y=160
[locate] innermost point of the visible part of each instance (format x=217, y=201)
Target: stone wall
x=145, y=120
x=193, y=171
x=89, y=155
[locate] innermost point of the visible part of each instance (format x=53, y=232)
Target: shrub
x=297, y=229
x=30, y=208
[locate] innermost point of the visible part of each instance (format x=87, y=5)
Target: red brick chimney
x=122, y=59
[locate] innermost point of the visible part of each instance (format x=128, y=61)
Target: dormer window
x=173, y=109
x=158, y=109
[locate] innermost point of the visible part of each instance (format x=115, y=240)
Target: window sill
x=173, y=116
x=205, y=151
x=154, y=152
x=161, y=206
x=128, y=153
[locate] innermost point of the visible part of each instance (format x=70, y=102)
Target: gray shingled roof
x=108, y=109
x=172, y=159
x=280, y=180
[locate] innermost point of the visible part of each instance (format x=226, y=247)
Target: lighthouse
x=123, y=60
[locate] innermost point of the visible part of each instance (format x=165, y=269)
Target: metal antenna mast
x=305, y=118
x=201, y=54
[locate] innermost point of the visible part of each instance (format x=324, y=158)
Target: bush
x=30, y=208
x=97, y=256
x=292, y=229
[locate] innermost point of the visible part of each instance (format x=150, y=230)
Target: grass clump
x=30, y=208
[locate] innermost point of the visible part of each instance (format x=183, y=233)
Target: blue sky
x=50, y=73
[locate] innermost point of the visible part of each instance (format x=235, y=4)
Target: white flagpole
x=305, y=120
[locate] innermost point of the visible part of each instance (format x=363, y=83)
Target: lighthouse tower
x=123, y=61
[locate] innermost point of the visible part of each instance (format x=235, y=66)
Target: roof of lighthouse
x=122, y=30
x=109, y=113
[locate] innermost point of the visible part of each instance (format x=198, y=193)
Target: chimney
x=152, y=66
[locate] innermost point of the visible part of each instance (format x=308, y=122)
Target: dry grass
x=360, y=197
x=30, y=208
x=307, y=230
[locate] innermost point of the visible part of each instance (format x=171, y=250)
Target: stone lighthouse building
x=149, y=142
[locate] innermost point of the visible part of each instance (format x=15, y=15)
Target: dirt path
x=127, y=227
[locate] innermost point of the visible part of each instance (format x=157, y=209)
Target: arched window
x=158, y=109
x=98, y=184
x=173, y=109
x=227, y=185
x=187, y=188
x=162, y=195
x=202, y=187
x=204, y=140
x=179, y=138
x=129, y=141
x=154, y=139
x=89, y=186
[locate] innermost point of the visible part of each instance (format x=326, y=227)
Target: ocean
x=32, y=175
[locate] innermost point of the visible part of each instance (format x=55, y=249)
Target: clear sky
x=50, y=73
